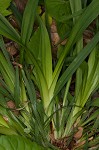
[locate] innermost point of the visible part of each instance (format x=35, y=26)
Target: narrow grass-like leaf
x=46, y=57
x=32, y=96
x=16, y=13
x=90, y=86
x=7, y=30
x=32, y=88
x=91, y=61
x=6, y=86
x=29, y=89
x=17, y=88
x=34, y=44
x=80, y=26
x=6, y=67
x=28, y=20
x=42, y=81
x=93, y=116
x=76, y=63
x=7, y=79
x=29, y=84
x=4, y=92
x=3, y=48
x=82, y=73
x=65, y=112
x=14, y=122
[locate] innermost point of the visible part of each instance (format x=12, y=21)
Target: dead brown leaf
x=78, y=135
x=12, y=106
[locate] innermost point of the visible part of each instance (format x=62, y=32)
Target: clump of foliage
x=57, y=118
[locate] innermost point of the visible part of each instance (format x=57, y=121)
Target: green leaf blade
x=8, y=31
x=28, y=20
x=17, y=142
x=46, y=57
x=77, y=62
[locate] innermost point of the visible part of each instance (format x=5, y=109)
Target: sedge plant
x=57, y=114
